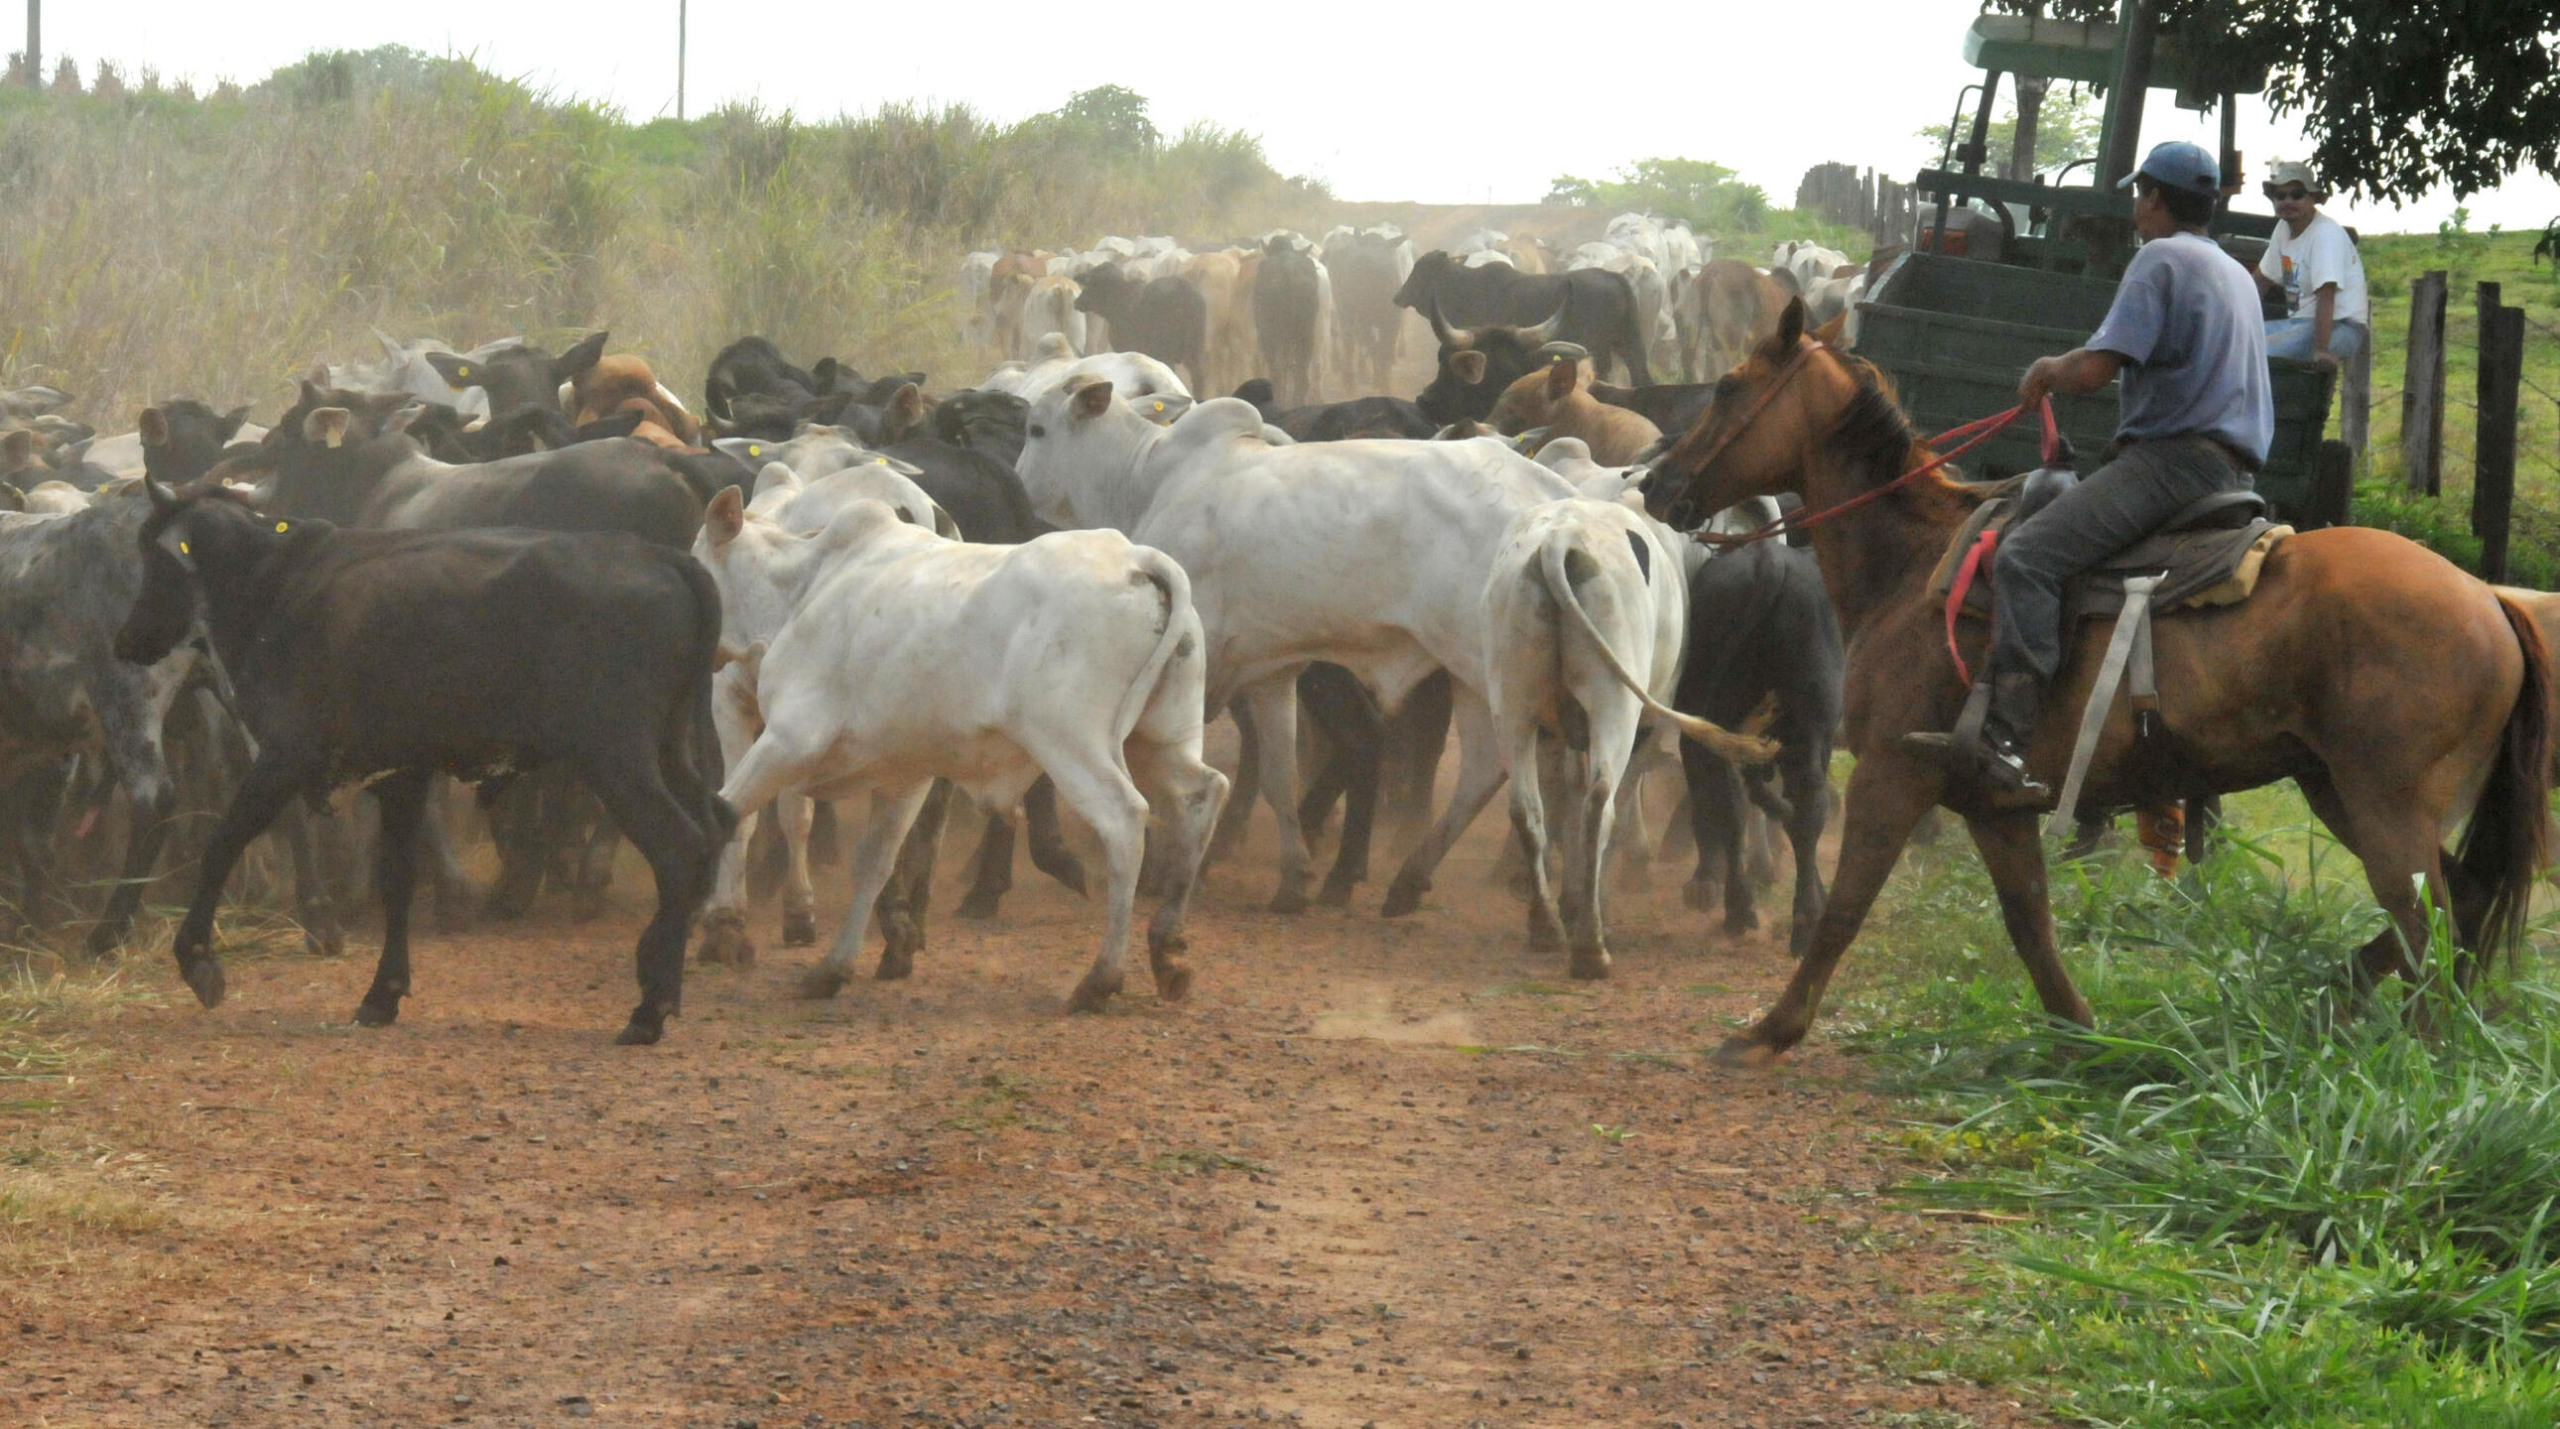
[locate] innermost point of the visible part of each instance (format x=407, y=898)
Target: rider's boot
x=1995, y=760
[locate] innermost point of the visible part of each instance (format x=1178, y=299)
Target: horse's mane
x=1875, y=437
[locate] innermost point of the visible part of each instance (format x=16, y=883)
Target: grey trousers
x=2118, y=504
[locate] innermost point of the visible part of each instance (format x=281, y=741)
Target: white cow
x=1050, y=308
x=1586, y=616
x=1640, y=234
x=404, y=369
x=1809, y=263
x=902, y=658
x=1055, y=365
x=977, y=283
x=803, y=505
x=1654, y=313
x=1369, y=554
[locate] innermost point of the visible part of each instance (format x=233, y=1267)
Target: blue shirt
x=2187, y=319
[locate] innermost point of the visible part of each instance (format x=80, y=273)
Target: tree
x=1704, y=193
x=2066, y=129
x=2396, y=95
x=1115, y=117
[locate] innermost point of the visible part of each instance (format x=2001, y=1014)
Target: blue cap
x=2179, y=165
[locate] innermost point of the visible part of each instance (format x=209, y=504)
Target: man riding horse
x=2185, y=336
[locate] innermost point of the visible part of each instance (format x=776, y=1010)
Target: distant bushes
x=153, y=243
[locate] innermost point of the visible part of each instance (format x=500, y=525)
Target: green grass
x=2246, y=1200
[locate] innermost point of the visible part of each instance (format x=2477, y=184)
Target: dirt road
x=1310, y=1194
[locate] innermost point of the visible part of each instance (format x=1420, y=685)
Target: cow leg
x=902, y=904
x=724, y=937
x=149, y=802
x=1809, y=805
x=795, y=817
x=679, y=852
x=322, y=934
x=1274, y=703
x=1191, y=792
x=594, y=877
x=992, y=872
x=1600, y=769
x=1096, y=786
x=1049, y=851
x=875, y=858
x=275, y=778
x=1479, y=776
x=1414, y=739
x=515, y=826
x=450, y=881
x=403, y=800
x=1717, y=817
x=1237, y=817
x=1353, y=729
x=1529, y=834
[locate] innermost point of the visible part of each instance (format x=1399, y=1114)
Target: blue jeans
x=2291, y=337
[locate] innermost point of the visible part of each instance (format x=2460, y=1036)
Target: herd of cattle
x=547, y=578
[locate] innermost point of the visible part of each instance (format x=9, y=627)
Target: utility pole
x=680, y=8
x=35, y=44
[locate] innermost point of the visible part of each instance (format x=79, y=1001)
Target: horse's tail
x=2510, y=829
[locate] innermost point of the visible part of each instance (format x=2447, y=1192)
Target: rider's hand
x=2038, y=382
x=2325, y=361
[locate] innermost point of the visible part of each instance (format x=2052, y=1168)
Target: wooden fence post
x=2493, y=480
x=2422, y=387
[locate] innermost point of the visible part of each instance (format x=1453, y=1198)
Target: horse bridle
x=1759, y=404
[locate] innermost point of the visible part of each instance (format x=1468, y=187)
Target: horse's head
x=1770, y=413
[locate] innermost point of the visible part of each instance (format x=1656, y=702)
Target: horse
x=2397, y=691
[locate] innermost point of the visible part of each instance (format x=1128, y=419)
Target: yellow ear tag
x=1159, y=406
x=755, y=451
x=182, y=548
x=463, y=371
x=283, y=526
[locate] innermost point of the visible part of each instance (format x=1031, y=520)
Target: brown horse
x=2396, y=690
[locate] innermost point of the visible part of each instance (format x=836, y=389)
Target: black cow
x=1288, y=298
x=985, y=421
x=1761, y=624
x=1478, y=364
x=182, y=438
x=1590, y=306
x=392, y=656
x=1388, y=417
x=518, y=375
x=1166, y=319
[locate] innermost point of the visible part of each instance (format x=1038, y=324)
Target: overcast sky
x=1429, y=102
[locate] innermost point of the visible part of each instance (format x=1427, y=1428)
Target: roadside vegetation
x=2243, y=1199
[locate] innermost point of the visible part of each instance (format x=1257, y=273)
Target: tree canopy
x=2066, y=128
x=2396, y=95
x=1704, y=193
x=1115, y=116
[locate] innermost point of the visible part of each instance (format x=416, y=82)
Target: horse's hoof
x=819, y=983
x=1093, y=994
x=1173, y=982
x=205, y=977
x=1746, y=1052
x=1403, y=897
x=799, y=929
x=377, y=1012
x=978, y=907
x=637, y=1033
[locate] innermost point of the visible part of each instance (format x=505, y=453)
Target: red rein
x=1974, y=434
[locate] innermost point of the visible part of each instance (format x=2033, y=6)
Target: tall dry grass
x=153, y=244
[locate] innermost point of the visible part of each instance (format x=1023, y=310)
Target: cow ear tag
x=182, y=549
x=755, y=451
x=1159, y=406
x=283, y=526
x=463, y=371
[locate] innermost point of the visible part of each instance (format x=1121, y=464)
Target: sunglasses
x=2292, y=195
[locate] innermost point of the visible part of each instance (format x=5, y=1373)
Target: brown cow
x=614, y=382
x=1559, y=399
x=1733, y=306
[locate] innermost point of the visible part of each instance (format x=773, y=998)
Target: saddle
x=2210, y=554
x=2207, y=555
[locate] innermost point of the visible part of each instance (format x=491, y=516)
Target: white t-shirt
x=2322, y=255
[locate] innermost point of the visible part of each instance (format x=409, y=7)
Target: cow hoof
x=586, y=905
x=1336, y=892
x=103, y=939
x=326, y=940
x=1698, y=897
x=1741, y=921
x=819, y=983
x=978, y=907
x=725, y=940
x=637, y=1033
x=1403, y=897
x=377, y=1012
x=895, y=965
x=1065, y=867
x=1544, y=934
x=1290, y=899
x=1591, y=965
x=205, y=977
x=799, y=929
x=1094, y=993
x=1173, y=982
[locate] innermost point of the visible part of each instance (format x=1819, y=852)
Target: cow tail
x=2503, y=846
x=719, y=821
x=1744, y=749
x=1174, y=585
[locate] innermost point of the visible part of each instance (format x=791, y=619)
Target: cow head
x=199, y=541
x=1476, y=364
x=1539, y=397
x=1423, y=283
x=513, y=376
x=983, y=420
x=182, y=438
